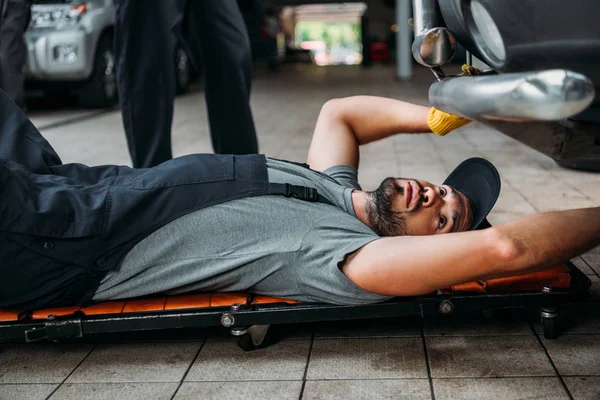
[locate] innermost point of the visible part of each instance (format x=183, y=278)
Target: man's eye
x=442, y=222
x=443, y=191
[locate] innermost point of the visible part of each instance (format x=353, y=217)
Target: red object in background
x=379, y=51
x=263, y=33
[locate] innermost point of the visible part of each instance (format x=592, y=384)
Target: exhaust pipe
x=434, y=45
x=517, y=97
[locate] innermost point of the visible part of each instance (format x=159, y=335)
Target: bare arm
x=345, y=124
x=415, y=265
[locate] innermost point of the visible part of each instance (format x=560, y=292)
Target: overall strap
x=297, y=192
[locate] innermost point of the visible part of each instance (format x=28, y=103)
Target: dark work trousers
x=146, y=34
x=14, y=18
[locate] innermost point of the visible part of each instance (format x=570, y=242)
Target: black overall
x=63, y=226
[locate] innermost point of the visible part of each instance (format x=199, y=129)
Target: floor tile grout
x=185, y=374
x=73, y=371
x=589, y=266
x=427, y=364
x=312, y=380
x=426, y=336
x=498, y=377
x=370, y=337
x=562, y=381
x=310, y=349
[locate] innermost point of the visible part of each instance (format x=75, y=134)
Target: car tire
x=100, y=91
x=57, y=93
x=183, y=70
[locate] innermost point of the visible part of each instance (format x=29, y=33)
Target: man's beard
x=383, y=219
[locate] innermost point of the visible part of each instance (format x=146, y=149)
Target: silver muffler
x=433, y=45
x=549, y=95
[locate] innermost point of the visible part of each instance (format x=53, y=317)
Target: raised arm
x=415, y=265
x=345, y=124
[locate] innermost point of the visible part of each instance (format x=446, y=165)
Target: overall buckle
x=301, y=192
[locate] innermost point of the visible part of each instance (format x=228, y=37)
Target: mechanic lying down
x=70, y=233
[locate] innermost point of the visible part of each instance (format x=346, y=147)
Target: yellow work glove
x=441, y=123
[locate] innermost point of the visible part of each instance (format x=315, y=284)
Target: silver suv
x=70, y=47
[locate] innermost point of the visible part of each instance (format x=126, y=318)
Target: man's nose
x=429, y=196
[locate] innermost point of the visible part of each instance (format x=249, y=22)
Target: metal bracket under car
x=55, y=329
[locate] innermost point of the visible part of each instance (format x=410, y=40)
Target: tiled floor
x=503, y=356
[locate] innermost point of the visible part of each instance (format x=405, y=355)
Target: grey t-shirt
x=267, y=245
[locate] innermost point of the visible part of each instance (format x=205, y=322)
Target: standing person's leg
x=228, y=60
x=145, y=36
x=21, y=142
x=272, y=54
x=13, y=52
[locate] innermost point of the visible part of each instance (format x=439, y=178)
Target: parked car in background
x=70, y=50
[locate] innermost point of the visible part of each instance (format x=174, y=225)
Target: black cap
x=479, y=180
